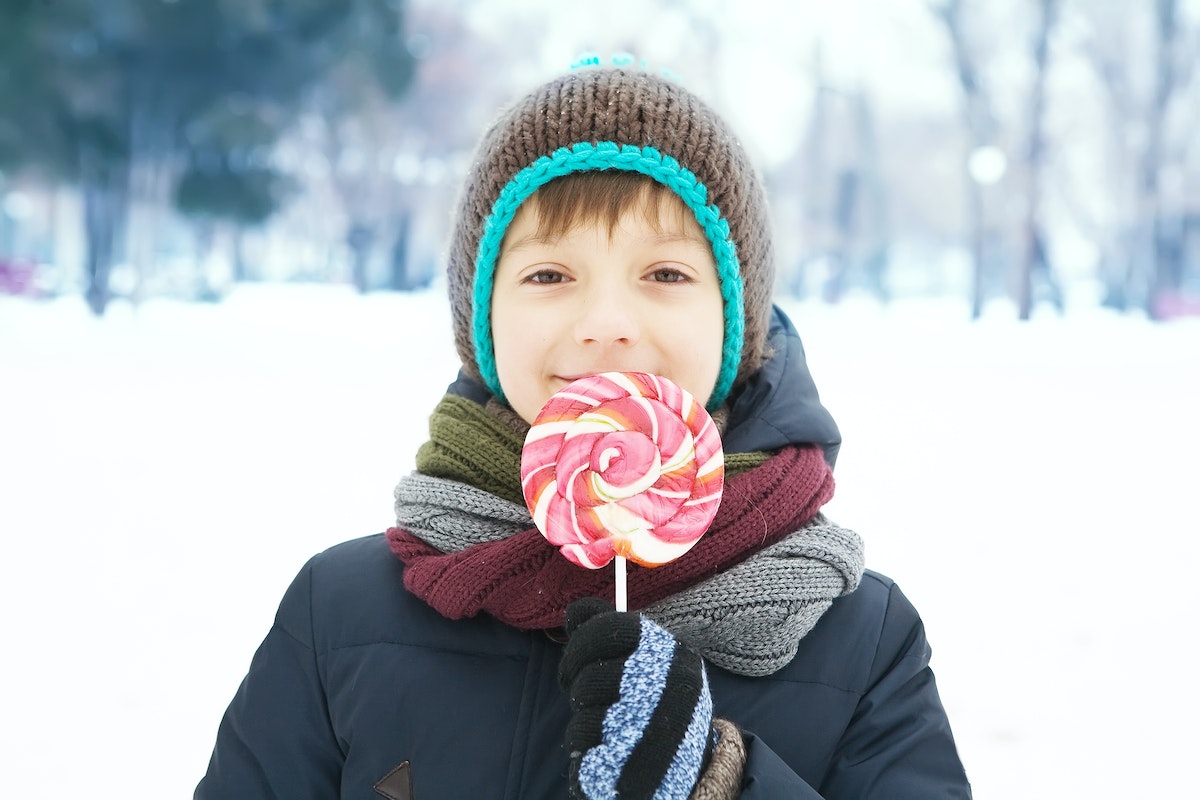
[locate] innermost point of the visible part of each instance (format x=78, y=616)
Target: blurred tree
x=1134, y=203
x=1148, y=139
x=980, y=122
x=1034, y=263
x=391, y=147
x=139, y=101
x=846, y=202
x=354, y=102
x=1156, y=255
x=228, y=178
x=455, y=91
x=23, y=124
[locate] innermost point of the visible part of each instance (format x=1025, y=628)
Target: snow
x=167, y=470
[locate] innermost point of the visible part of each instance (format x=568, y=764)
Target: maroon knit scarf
x=525, y=582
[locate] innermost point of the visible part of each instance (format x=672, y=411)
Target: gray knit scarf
x=748, y=619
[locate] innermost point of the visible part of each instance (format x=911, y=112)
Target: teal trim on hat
x=584, y=157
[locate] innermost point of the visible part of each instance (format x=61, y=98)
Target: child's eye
x=667, y=275
x=545, y=276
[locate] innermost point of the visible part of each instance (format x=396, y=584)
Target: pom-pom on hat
x=598, y=118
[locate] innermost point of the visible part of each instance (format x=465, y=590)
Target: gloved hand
x=642, y=722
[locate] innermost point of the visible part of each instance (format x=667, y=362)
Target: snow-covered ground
x=165, y=472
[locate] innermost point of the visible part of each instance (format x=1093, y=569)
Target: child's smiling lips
x=587, y=374
x=568, y=379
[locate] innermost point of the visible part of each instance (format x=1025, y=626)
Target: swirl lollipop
x=622, y=465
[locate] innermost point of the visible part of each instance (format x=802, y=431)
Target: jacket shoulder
x=353, y=594
x=858, y=637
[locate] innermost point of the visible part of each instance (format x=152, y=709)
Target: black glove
x=642, y=722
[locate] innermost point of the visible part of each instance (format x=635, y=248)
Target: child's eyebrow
x=659, y=238
x=671, y=237
x=668, y=238
x=527, y=240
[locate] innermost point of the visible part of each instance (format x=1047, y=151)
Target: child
x=610, y=222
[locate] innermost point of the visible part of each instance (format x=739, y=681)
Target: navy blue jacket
x=357, y=675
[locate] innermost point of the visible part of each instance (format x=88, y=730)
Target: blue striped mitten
x=642, y=722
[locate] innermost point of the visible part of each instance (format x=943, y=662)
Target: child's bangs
x=601, y=198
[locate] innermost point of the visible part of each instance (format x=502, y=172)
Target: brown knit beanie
x=615, y=118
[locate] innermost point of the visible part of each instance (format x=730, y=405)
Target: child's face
x=644, y=299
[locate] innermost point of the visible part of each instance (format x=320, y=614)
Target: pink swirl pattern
x=623, y=463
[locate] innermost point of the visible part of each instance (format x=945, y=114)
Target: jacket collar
x=779, y=405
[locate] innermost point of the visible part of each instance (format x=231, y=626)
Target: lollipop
x=622, y=465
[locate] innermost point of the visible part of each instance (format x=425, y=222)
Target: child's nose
x=607, y=316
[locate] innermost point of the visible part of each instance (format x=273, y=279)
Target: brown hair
x=601, y=197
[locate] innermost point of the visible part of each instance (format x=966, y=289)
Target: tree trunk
x=978, y=123
x=241, y=272
x=1034, y=257
x=361, y=240
x=1154, y=259
x=101, y=214
x=975, y=233
x=402, y=277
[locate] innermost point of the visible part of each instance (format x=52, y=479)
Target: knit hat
x=615, y=118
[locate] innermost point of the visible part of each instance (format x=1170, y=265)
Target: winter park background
x=997, y=296
x=166, y=473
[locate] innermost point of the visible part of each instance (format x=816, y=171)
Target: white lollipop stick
x=622, y=601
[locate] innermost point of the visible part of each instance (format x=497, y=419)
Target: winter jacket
x=358, y=676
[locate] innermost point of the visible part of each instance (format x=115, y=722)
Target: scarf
x=743, y=597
